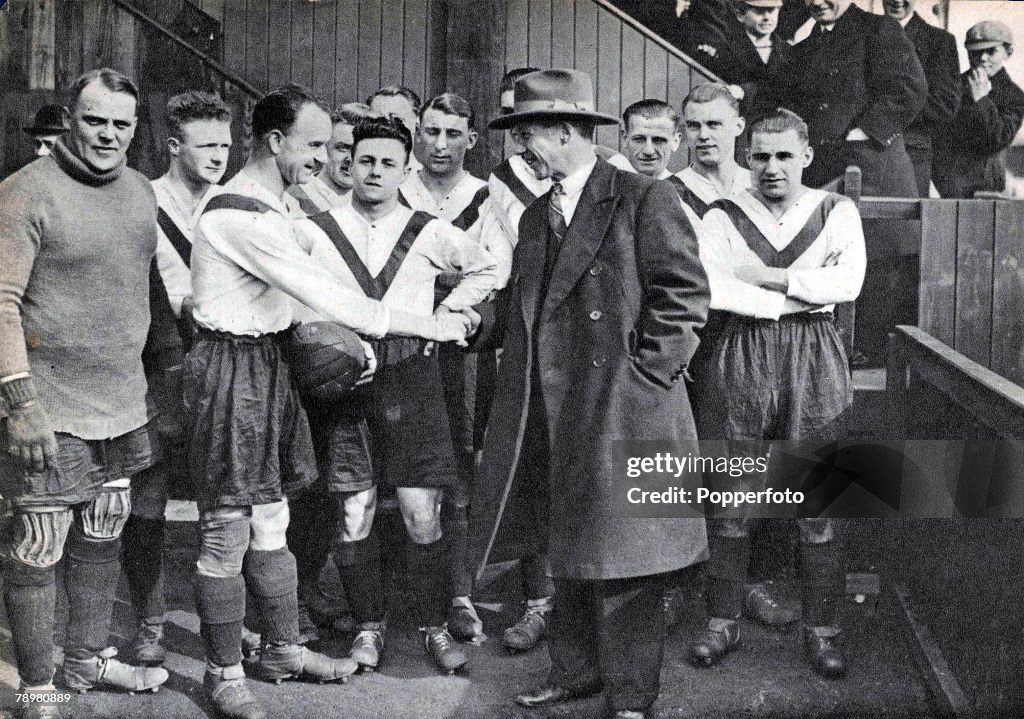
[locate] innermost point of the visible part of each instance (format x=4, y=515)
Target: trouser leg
x=574, y=635
x=632, y=641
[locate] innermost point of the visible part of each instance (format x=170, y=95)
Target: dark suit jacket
x=969, y=152
x=936, y=49
x=864, y=73
x=611, y=335
x=737, y=62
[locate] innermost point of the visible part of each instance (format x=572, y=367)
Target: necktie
x=556, y=219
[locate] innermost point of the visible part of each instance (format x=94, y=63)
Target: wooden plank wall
x=625, y=65
x=345, y=49
x=972, y=280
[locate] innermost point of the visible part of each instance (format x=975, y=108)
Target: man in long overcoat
x=598, y=325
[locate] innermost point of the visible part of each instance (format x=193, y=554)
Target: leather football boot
x=530, y=629
x=103, y=670
x=230, y=695
x=821, y=645
x=720, y=638
x=368, y=645
x=440, y=646
x=146, y=648
x=759, y=604
x=292, y=661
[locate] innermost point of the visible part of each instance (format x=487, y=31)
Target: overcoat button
x=598, y=361
x=595, y=315
x=595, y=270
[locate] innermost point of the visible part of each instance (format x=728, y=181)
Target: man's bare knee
x=421, y=511
x=359, y=510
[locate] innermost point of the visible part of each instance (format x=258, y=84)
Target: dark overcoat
x=864, y=73
x=612, y=334
x=736, y=62
x=972, y=146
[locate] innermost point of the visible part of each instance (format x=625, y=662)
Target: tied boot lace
x=530, y=629
x=292, y=661
x=440, y=646
x=368, y=645
x=103, y=670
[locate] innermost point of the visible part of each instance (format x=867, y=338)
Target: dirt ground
x=766, y=678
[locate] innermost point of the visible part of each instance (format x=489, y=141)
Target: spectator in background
x=332, y=186
x=858, y=84
x=750, y=54
x=48, y=124
x=973, y=144
x=936, y=49
x=402, y=104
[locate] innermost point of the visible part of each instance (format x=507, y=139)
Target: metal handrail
x=189, y=47
x=656, y=38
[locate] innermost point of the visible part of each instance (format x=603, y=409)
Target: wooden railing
x=656, y=38
x=971, y=291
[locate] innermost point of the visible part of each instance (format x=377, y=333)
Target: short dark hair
x=780, y=120
x=194, y=105
x=278, y=109
x=512, y=77
x=111, y=79
x=451, y=104
x=709, y=92
x=397, y=91
x=382, y=128
x=351, y=113
x=652, y=110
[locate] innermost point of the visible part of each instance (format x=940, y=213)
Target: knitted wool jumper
x=75, y=253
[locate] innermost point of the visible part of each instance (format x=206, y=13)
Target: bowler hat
x=550, y=95
x=48, y=120
x=986, y=34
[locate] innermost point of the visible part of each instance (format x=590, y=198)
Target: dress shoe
x=550, y=694
x=720, y=638
x=759, y=604
x=823, y=652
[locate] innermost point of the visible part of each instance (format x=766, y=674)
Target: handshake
x=452, y=326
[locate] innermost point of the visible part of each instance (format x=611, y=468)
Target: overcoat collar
x=582, y=240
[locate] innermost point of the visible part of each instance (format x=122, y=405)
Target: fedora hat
x=48, y=120
x=553, y=94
